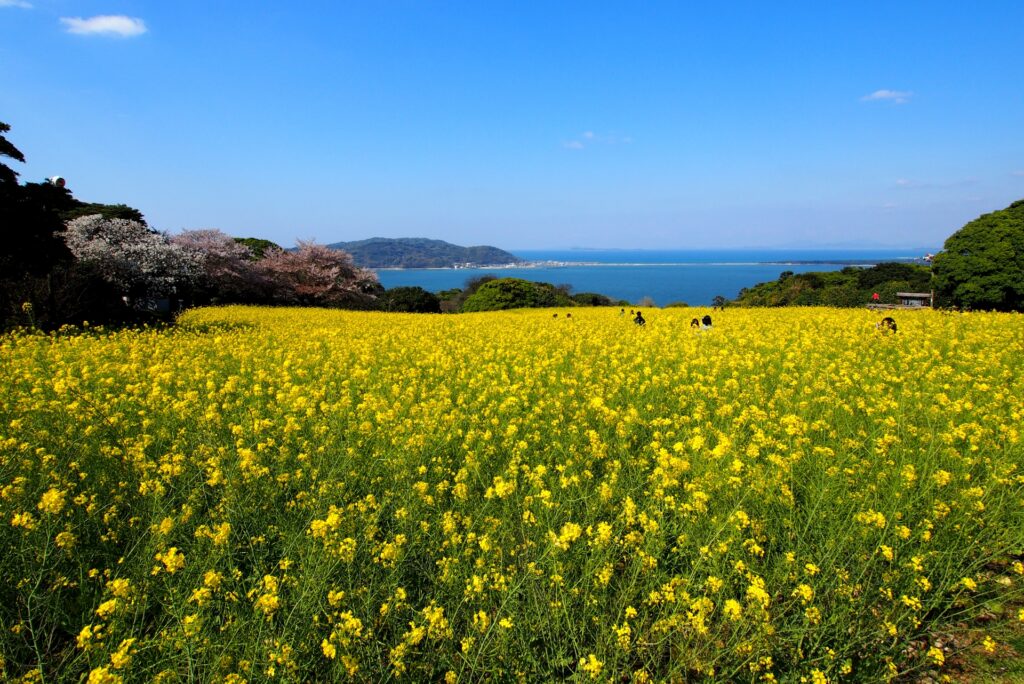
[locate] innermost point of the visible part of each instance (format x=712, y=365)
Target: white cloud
x=16, y=3
x=588, y=138
x=894, y=96
x=105, y=24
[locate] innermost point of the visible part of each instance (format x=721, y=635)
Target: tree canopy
x=7, y=149
x=316, y=275
x=982, y=264
x=257, y=246
x=30, y=219
x=852, y=286
x=515, y=293
x=410, y=299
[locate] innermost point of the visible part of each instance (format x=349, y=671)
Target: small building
x=913, y=300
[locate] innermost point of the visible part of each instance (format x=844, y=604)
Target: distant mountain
x=421, y=253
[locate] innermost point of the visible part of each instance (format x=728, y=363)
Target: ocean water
x=665, y=276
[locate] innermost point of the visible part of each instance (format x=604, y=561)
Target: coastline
x=634, y=264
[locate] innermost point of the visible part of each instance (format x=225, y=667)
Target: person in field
x=639, y=319
x=695, y=324
x=887, y=324
x=705, y=323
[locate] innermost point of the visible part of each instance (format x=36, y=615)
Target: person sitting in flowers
x=886, y=325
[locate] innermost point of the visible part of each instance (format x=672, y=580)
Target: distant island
x=422, y=253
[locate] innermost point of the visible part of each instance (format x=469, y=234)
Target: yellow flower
x=103, y=675
x=107, y=608
x=123, y=655
x=65, y=540
x=268, y=602
x=481, y=620
x=623, y=633
x=591, y=665
x=86, y=636
x=25, y=520
x=212, y=579
x=120, y=587
x=172, y=560
x=804, y=593
x=569, y=533
x=52, y=501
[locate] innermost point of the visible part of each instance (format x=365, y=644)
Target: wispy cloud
x=16, y=3
x=894, y=96
x=105, y=25
x=589, y=138
x=1017, y=173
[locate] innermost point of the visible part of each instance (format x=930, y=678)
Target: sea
x=663, y=277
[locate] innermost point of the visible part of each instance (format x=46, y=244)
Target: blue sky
x=527, y=124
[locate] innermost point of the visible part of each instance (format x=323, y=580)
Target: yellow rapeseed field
x=308, y=495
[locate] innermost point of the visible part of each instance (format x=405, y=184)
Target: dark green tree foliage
x=917, y=279
x=982, y=264
x=257, y=246
x=30, y=220
x=31, y=227
x=451, y=300
x=410, y=300
x=515, y=293
x=31, y=248
x=850, y=287
x=107, y=211
x=7, y=149
x=591, y=299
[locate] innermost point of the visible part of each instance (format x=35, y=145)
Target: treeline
x=849, y=287
x=489, y=293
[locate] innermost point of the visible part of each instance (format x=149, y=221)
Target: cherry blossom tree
x=318, y=275
x=227, y=270
x=142, y=263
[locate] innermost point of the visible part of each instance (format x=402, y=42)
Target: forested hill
x=851, y=286
x=421, y=253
